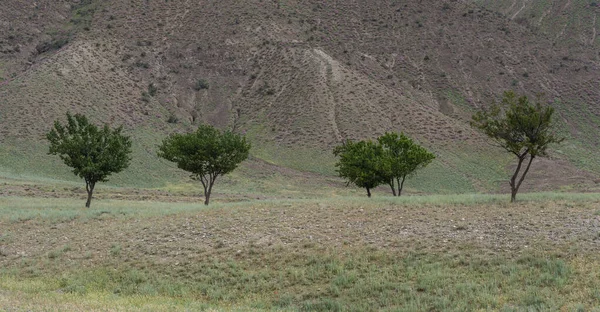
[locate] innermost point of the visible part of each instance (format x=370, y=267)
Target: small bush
x=152, y=89
x=141, y=64
x=145, y=97
x=172, y=119
x=115, y=250
x=52, y=44
x=201, y=84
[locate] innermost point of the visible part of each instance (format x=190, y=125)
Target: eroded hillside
x=300, y=76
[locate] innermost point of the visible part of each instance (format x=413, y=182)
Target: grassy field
x=419, y=253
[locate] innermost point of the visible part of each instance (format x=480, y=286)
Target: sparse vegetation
x=284, y=233
x=166, y=256
x=206, y=153
x=201, y=84
x=141, y=64
x=152, y=89
x=172, y=119
x=93, y=153
x=523, y=129
x=57, y=41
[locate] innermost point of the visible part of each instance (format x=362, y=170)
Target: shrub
x=201, y=84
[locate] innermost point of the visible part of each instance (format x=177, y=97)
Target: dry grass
x=414, y=253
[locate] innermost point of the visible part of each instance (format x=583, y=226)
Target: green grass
x=55, y=210
x=293, y=277
x=326, y=280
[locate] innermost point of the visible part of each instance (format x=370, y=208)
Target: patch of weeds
x=172, y=119
x=5, y=238
x=141, y=64
x=201, y=84
x=144, y=43
x=57, y=41
x=286, y=300
x=20, y=218
x=145, y=97
x=152, y=89
x=266, y=89
x=534, y=299
x=460, y=227
x=322, y=305
x=66, y=248
x=220, y=244
x=54, y=254
x=100, y=214
x=115, y=250
x=83, y=13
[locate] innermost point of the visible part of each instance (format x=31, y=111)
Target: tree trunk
x=208, y=189
x=206, y=197
x=368, y=192
x=401, y=185
x=393, y=187
x=513, y=179
x=514, y=185
x=89, y=187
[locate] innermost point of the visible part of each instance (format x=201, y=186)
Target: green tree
x=207, y=154
x=93, y=153
x=520, y=127
x=360, y=163
x=402, y=157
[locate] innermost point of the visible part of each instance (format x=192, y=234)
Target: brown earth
x=303, y=74
x=556, y=227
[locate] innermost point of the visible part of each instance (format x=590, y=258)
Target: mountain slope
x=298, y=77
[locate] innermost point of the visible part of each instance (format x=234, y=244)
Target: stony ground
x=563, y=227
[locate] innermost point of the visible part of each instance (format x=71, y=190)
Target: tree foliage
x=390, y=161
x=206, y=153
x=360, y=163
x=93, y=153
x=520, y=127
x=402, y=157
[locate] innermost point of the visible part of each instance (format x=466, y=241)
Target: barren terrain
x=412, y=254
x=299, y=77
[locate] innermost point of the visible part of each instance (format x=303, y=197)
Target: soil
x=559, y=228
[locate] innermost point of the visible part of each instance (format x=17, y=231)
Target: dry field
x=434, y=253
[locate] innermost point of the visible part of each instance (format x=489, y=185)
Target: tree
x=360, y=163
x=521, y=128
x=207, y=153
x=93, y=153
x=402, y=157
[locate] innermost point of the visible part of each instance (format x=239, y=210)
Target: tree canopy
x=360, y=163
x=520, y=127
x=93, y=153
x=206, y=153
x=390, y=161
x=402, y=157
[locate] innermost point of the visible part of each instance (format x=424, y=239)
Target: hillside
x=298, y=77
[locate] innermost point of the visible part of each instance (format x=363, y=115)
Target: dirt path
x=332, y=74
x=519, y=11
